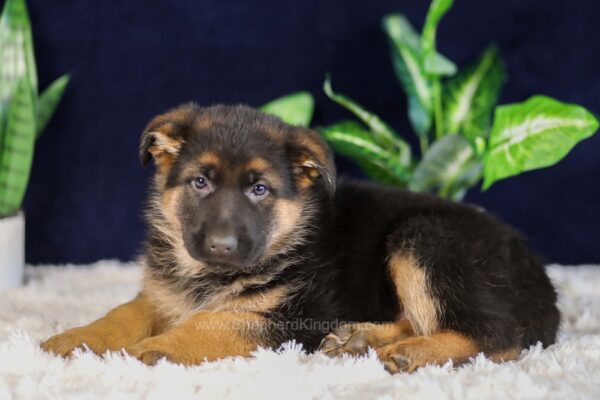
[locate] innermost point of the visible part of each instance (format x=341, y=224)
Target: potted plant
x=23, y=116
x=464, y=137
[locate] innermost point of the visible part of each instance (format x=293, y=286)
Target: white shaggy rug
x=58, y=298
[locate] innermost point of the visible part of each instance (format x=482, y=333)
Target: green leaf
x=18, y=148
x=434, y=64
x=48, y=101
x=449, y=166
x=437, y=10
x=470, y=175
x=353, y=140
x=407, y=57
x=16, y=55
x=294, y=109
x=382, y=133
x=470, y=96
x=380, y=173
x=16, y=48
x=534, y=134
x=437, y=64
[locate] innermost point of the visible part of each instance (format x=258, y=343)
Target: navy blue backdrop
x=132, y=59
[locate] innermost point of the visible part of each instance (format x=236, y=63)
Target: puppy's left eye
x=199, y=182
x=260, y=190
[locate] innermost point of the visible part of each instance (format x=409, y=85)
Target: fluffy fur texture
x=57, y=298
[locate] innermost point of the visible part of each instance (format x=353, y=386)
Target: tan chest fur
x=178, y=305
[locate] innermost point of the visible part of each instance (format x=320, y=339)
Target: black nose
x=222, y=245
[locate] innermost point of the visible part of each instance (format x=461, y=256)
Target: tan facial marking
x=171, y=230
x=258, y=164
x=412, y=288
x=209, y=158
x=287, y=217
x=266, y=170
x=170, y=199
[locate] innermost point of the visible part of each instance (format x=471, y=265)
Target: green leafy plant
x=295, y=108
x=464, y=136
x=23, y=114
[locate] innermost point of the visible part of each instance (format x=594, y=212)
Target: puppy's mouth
x=226, y=267
x=230, y=267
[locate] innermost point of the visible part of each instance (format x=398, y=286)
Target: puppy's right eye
x=199, y=182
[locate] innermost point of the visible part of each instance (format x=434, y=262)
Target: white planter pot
x=12, y=251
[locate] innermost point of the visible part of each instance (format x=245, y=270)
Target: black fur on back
x=489, y=285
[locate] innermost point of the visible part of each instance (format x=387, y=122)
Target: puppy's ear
x=158, y=143
x=163, y=138
x=312, y=160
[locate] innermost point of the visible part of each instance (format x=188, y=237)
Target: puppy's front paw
x=350, y=338
x=408, y=355
x=395, y=363
x=64, y=343
x=149, y=351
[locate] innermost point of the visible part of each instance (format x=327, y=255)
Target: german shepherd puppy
x=251, y=243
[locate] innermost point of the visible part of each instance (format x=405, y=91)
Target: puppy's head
x=235, y=186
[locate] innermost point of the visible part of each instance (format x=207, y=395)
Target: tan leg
x=120, y=328
x=404, y=345
x=205, y=336
x=412, y=353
